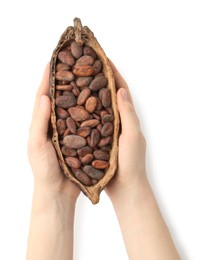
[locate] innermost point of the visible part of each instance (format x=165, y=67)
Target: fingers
x=119, y=80
x=129, y=120
x=39, y=128
x=43, y=90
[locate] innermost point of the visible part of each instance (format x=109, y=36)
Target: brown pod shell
x=83, y=35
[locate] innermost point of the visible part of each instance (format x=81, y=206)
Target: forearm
x=145, y=233
x=51, y=227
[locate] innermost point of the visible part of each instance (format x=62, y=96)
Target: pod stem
x=78, y=30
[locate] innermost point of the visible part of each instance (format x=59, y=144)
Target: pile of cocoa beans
x=83, y=111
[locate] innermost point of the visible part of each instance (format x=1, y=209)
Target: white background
x=155, y=45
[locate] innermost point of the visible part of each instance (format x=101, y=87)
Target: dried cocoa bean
x=90, y=123
x=73, y=162
x=61, y=113
x=85, y=60
x=68, y=151
x=76, y=50
x=101, y=155
x=85, y=150
x=100, y=164
x=83, y=71
x=107, y=129
x=89, y=51
x=105, y=96
x=104, y=141
x=66, y=101
x=84, y=131
x=61, y=126
x=93, y=173
x=67, y=76
x=97, y=67
x=95, y=137
x=82, y=177
x=62, y=66
x=64, y=87
x=107, y=118
x=98, y=83
x=83, y=81
x=67, y=132
x=74, y=141
x=83, y=96
x=88, y=158
x=78, y=113
x=71, y=125
x=66, y=57
x=91, y=104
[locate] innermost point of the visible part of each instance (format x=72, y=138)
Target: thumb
x=40, y=126
x=127, y=112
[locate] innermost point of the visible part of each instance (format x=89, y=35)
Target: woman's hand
x=48, y=176
x=131, y=164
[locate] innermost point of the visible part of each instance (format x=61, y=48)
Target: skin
x=145, y=233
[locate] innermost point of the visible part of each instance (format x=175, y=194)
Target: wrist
x=45, y=201
x=131, y=194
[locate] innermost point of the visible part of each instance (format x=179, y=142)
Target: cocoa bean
x=76, y=50
x=82, y=177
x=105, y=96
x=83, y=96
x=66, y=57
x=106, y=148
x=99, y=104
x=66, y=101
x=95, y=137
x=109, y=110
x=83, y=71
x=98, y=83
x=78, y=113
x=74, y=141
x=89, y=51
x=96, y=116
x=83, y=81
x=76, y=91
x=107, y=118
x=107, y=129
x=99, y=127
x=97, y=67
x=93, y=173
x=104, y=141
x=100, y=164
x=85, y=60
x=61, y=113
x=91, y=104
x=68, y=151
x=67, y=132
x=58, y=93
x=90, y=123
x=85, y=150
x=63, y=87
x=64, y=75
x=88, y=158
x=71, y=125
x=61, y=126
x=101, y=155
x=62, y=66
x=84, y=131
x=73, y=162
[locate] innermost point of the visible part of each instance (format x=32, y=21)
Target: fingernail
x=124, y=93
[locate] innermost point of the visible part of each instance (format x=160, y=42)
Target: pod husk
x=83, y=35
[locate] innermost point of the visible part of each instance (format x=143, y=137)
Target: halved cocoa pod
x=84, y=112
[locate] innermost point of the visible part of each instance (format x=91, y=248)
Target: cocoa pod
x=84, y=115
